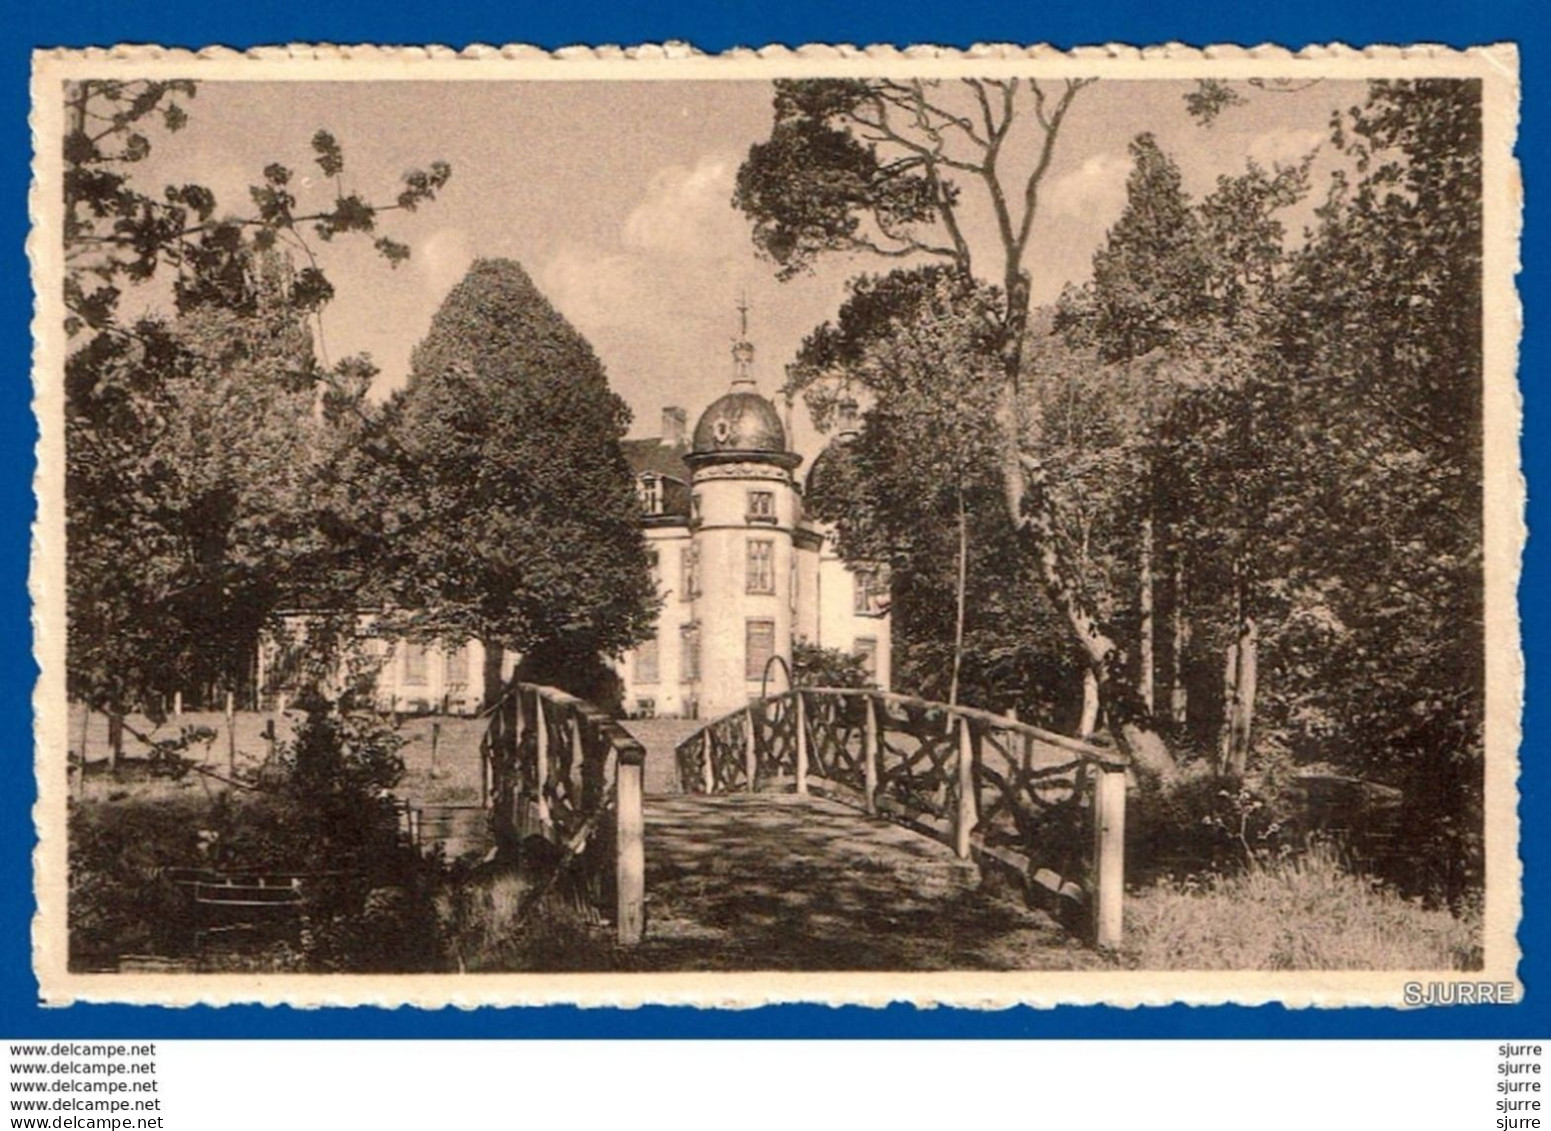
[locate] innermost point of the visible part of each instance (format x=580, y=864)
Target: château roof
x=652, y=455
x=741, y=421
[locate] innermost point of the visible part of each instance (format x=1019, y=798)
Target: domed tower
x=744, y=509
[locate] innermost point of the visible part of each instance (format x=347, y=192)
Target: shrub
x=119, y=902
x=1198, y=822
x=323, y=810
x=527, y=912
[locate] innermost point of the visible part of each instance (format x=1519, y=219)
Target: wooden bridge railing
x=558, y=768
x=1003, y=792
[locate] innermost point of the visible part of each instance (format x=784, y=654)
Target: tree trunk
x=958, y=621
x=1179, y=697
x=115, y=740
x=1025, y=484
x=1144, y=681
x=1090, y=704
x=495, y=658
x=1244, y=702
x=1230, y=708
x=1125, y=714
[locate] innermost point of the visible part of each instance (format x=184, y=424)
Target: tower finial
x=742, y=348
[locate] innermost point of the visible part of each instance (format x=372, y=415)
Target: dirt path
x=779, y=882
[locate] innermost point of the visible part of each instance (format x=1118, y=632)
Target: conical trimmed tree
x=517, y=521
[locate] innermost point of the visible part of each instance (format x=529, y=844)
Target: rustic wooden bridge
x=821, y=828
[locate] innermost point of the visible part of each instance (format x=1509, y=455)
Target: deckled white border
x=1497, y=66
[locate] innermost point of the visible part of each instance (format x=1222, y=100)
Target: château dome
x=741, y=421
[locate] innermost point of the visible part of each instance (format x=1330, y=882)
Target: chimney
x=847, y=424
x=673, y=426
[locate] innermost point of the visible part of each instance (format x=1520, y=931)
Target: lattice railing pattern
x=558, y=768
x=990, y=787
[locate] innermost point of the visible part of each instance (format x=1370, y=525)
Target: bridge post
x=801, y=719
x=964, y=815
x=707, y=767
x=750, y=749
x=1109, y=839
x=630, y=846
x=870, y=755
x=541, y=763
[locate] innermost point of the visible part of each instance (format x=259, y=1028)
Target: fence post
x=177, y=704
x=630, y=841
x=541, y=762
x=1109, y=840
x=800, y=718
x=870, y=755
x=708, y=768
x=86, y=726
x=964, y=814
x=231, y=738
x=750, y=750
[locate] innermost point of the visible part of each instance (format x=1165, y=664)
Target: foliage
x=1313, y=448
x=323, y=811
x=116, y=232
x=891, y=169
x=192, y=452
x=816, y=666
x=515, y=520
x=927, y=447
x=1294, y=427
x=118, y=900
x=1203, y=823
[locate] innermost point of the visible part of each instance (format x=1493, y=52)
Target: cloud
x=686, y=211
x=444, y=258
x=679, y=239
x=1286, y=147
x=595, y=288
x=1094, y=192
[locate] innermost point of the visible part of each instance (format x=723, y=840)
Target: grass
x=1304, y=913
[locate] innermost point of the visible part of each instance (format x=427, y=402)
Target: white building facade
x=744, y=574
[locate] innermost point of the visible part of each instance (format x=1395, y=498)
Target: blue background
x=714, y=26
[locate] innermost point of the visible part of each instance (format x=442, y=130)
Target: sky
x=616, y=198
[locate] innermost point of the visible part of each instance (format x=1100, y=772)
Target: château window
x=689, y=574
x=762, y=506
x=867, y=651
x=649, y=491
x=689, y=654
x=646, y=662
x=869, y=592
x=458, y=666
x=415, y=656
x=694, y=509
x=759, y=646
x=761, y=572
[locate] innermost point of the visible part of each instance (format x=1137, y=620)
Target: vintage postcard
x=844, y=525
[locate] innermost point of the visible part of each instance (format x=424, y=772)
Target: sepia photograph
x=970, y=528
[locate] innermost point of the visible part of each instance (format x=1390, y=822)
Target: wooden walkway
x=770, y=881
x=775, y=881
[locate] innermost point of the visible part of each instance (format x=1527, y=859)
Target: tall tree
x=1385, y=330
x=1187, y=292
x=884, y=167
x=188, y=453
x=918, y=486
x=175, y=539
x=515, y=519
